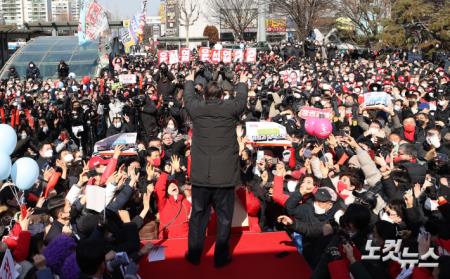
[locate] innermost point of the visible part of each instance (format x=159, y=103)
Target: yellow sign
x=162, y=12
x=276, y=25
x=344, y=23
x=126, y=23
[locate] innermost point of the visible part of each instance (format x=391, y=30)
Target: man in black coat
x=215, y=164
x=149, y=114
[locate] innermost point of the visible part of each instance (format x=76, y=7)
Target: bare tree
x=237, y=15
x=189, y=13
x=304, y=13
x=365, y=15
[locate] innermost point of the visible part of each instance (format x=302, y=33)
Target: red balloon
x=310, y=124
x=322, y=128
x=86, y=80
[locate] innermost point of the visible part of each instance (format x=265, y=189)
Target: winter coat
x=215, y=150
x=173, y=214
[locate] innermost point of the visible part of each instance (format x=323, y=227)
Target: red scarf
x=341, y=186
x=408, y=132
x=29, y=118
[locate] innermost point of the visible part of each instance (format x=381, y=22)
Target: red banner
x=204, y=54
x=238, y=55
x=185, y=55
x=250, y=55
x=312, y=112
x=227, y=56
x=215, y=56
x=163, y=56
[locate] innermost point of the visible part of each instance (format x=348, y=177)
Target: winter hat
x=57, y=251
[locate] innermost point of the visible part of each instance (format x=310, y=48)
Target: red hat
x=440, y=69
x=387, y=82
x=413, y=88
x=378, y=78
x=401, y=78
x=97, y=161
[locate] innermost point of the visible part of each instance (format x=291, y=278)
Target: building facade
x=12, y=11
x=37, y=10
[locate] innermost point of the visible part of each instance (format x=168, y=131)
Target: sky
x=127, y=8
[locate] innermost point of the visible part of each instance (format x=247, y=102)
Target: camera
x=138, y=101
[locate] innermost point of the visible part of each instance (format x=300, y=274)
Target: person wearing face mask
x=45, y=156
x=432, y=145
x=116, y=127
x=410, y=132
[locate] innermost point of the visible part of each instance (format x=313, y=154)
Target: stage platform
x=255, y=255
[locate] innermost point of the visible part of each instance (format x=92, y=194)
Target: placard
x=127, y=79
x=106, y=146
x=267, y=134
x=163, y=56
x=227, y=56
x=238, y=55
x=215, y=56
x=7, y=270
x=250, y=55
x=377, y=98
x=173, y=57
x=185, y=55
x=204, y=54
x=312, y=112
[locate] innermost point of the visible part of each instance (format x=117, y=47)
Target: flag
x=93, y=21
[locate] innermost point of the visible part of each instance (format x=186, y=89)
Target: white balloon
x=24, y=173
x=8, y=139
x=5, y=166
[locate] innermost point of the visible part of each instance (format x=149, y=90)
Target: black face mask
x=420, y=123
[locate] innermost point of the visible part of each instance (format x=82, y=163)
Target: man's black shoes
x=192, y=261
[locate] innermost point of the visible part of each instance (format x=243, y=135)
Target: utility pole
x=261, y=35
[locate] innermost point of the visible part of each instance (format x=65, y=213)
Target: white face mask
x=385, y=217
x=48, y=153
x=171, y=126
x=45, y=129
x=442, y=103
x=397, y=108
x=373, y=131
x=318, y=209
x=118, y=125
x=23, y=136
x=68, y=158
x=434, y=141
x=291, y=184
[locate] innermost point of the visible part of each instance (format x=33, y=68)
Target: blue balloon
x=24, y=173
x=8, y=139
x=5, y=166
x=61, y=84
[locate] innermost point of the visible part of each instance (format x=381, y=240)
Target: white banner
x=106, y=146
x=267, y=133
x=127, y=79
x=7, y=270
x=173, y=57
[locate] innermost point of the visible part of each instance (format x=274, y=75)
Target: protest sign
x=312, y=112
x=7, y=270
x=185, y=55
x=173, y=57
x=106, y=146
x=95, y=198
x=215, y=56
x=227, y=56
x=267, y=134
x=377, y=98
x=127, y=79
x=238, y=55
x=250, y=55
x=204, y=54
x=163, y=56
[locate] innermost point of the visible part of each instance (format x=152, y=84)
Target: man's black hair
x=152, y=149
x=213, y=91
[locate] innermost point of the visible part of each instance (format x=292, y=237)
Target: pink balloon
x=310, y=124
x=322, y=128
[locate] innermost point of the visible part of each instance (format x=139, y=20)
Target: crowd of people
x=381, y=176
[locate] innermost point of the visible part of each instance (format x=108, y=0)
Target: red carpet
x=254, y=256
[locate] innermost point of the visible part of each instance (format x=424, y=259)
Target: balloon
x=61, y=85
x=24, y=173
x=322, y=128
x=72, y=75
x=5, y=166
x=310, y=125
x=86, y=80
x=8, y=139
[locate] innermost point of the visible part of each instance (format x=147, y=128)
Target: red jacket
x=252, y=206
x=19, y=242
x=278, y=196
x=173, y=214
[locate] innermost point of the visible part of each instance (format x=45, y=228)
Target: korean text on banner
x=127, y=79
x=215, y=56
x=227, y=56
x=185, y=55
x=93, y=21
x=312, y=112
x=173, y=57
x=163, y=56
x=238, y=55
x=7, y=270
x=204, y=54
x=267, y=133
x=250, y=55
x=377, y=98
